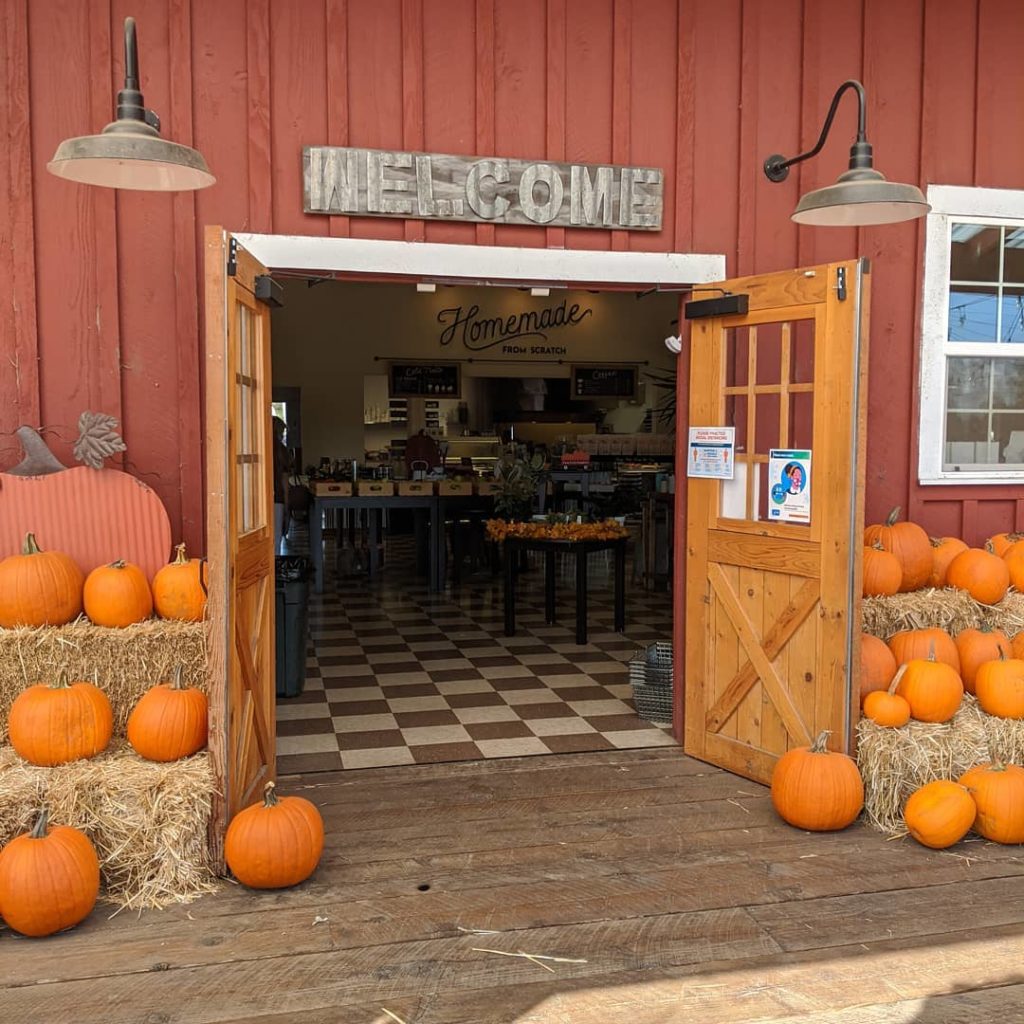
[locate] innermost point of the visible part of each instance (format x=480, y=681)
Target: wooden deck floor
x=675, y=883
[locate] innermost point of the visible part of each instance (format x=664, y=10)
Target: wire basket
x=650, y=673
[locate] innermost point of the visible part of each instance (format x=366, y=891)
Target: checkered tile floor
x=397, y=675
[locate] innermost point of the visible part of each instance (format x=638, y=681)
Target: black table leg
x=620, y=587
x=549, y=587
x=422, y=554
x=581, y=594
x=436, y=547
x=510, y=590
x=373, y=541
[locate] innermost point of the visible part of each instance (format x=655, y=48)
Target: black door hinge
x=232, y=257
x=841, y=283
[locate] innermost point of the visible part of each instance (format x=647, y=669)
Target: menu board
x=603, y=382
x=424, y=380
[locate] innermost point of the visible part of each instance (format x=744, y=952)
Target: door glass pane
x=1011, y=323
x=736, y=416
x=767, y=424
x=974, y=253
x=737, y=356
x=1013, y=255
x=769, y=353
x=972, y=312
x=801, y=359
x=968, y=382
x=801, y=420
x=1008, y=384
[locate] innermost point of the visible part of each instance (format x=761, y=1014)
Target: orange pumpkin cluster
x=47, y=588
x=608, y=529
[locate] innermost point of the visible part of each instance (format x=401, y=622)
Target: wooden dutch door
x=774, y=554
x=240, y=525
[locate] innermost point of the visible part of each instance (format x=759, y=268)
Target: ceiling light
x=674, y=343
x=426, y=286
x=861, y=195
x=129, y=152
x=540, y=293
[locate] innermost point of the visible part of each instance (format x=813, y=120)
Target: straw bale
x=948, y=609
x=895, y=762
x=122, y=662
x=148, y=821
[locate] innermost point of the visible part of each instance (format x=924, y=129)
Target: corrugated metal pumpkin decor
x=94, y=514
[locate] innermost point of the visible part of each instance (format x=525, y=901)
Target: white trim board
x=483, y=263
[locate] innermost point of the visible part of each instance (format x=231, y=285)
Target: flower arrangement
x=606, y=529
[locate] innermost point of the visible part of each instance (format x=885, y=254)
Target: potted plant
x=518, y=476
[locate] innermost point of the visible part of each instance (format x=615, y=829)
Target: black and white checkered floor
x=398, y=675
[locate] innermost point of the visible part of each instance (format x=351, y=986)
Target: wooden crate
x=375, y=488
x=331, y=488
x=452, y=488
x=413, y=488
x=485, y=487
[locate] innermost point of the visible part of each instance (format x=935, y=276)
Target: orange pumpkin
x=911, y=546
x=998, y=792
x=1014, y=559
x=975, y=647
x=882, y=572
x=179, y=588
x=275, y=844
x=877, y=665
x=117, y=595
x=1002, y=542
x=919, y=643
x=984, y=576
x=51, y=725
x=939, y=814
x=1000, y=687
x=1017, y=645
x=39, y=588
x=944, y=550
x=816, y=788
x=49, y=879
x=931, y=688
x=886, y=707
x=169, y=722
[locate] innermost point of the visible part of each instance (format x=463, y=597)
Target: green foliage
x=518, y=476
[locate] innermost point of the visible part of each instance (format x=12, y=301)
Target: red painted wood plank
x=412, y=94
x=258, y=110
x=486, y=95
x=680, y=173
x=622, y=65
x=337, y=90
x=19, y=371
x=1000, y=143
x=298, y=108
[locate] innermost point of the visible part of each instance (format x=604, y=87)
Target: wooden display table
x=580, y=548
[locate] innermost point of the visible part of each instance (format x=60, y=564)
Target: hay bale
x=895, y=762
x=148, y=821
x=122, y=662
x=948, y=609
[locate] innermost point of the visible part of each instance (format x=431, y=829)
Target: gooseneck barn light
x=129, y=152
x=861, y=195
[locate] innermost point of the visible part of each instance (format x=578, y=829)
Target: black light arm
x=131, y=106
x=776, y=167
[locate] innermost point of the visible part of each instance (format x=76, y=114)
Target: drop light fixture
x=861, y=195
x=129, y=152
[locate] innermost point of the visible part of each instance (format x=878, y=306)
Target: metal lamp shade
x=129, y=154
x=860, y=197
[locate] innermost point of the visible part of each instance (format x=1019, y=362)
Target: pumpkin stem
x=819, y=744
x=997, y=764
x=176, y=678
x=30, y=547
x=179, y=555
x=63, y=678
x=896, y=678
x=878, y=546
x=39, y=830
x=119, y=564
x=931, y=650
x=269, y=795
x=893, y=516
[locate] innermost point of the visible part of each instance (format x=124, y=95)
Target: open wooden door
x=772, y=602
x=240, y=527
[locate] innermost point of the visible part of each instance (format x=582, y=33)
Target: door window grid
x=782, y=352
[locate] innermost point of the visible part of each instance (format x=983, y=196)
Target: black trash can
x=292, y=623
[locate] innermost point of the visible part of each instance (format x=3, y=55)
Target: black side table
x=580, y=548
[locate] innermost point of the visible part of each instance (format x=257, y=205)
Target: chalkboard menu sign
x=603, y=382
x=424, y=380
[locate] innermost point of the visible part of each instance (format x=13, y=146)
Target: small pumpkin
x=944, y=550
x=51, y=725
x=117, y=595
x=275, y=844
x=984, y=576
x=886, y=707
x=816, y=788
x=169, y=722
x=179, y=588
x=909, y=543
x=49, y=879
x=975, y=647
x=919, y=643
x=1017, y=645
x=940, y=814
x=1002, y=542
x=931, y=688
x=882, y=572
x=1000, y=687
x=877, y=665
x=998, y=793
x=39, y=588
x=1014, y=559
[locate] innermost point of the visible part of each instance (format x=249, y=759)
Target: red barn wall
x=101, y=290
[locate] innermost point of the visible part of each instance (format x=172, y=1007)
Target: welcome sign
x=492, y=190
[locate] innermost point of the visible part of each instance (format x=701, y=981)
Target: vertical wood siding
x=101, y=305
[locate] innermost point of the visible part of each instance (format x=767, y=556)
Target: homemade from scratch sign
x=433, y=186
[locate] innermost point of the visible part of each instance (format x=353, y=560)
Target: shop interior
x=426, y=394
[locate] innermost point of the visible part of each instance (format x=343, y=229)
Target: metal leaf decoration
x=97, y=439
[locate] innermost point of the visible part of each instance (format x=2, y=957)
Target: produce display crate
x=331, y=488
x=414, y=488
x=486, y=487
x=650, y=674
x=453, y=488
x=375, y=488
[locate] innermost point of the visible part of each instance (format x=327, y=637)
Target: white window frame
x=962, y=205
